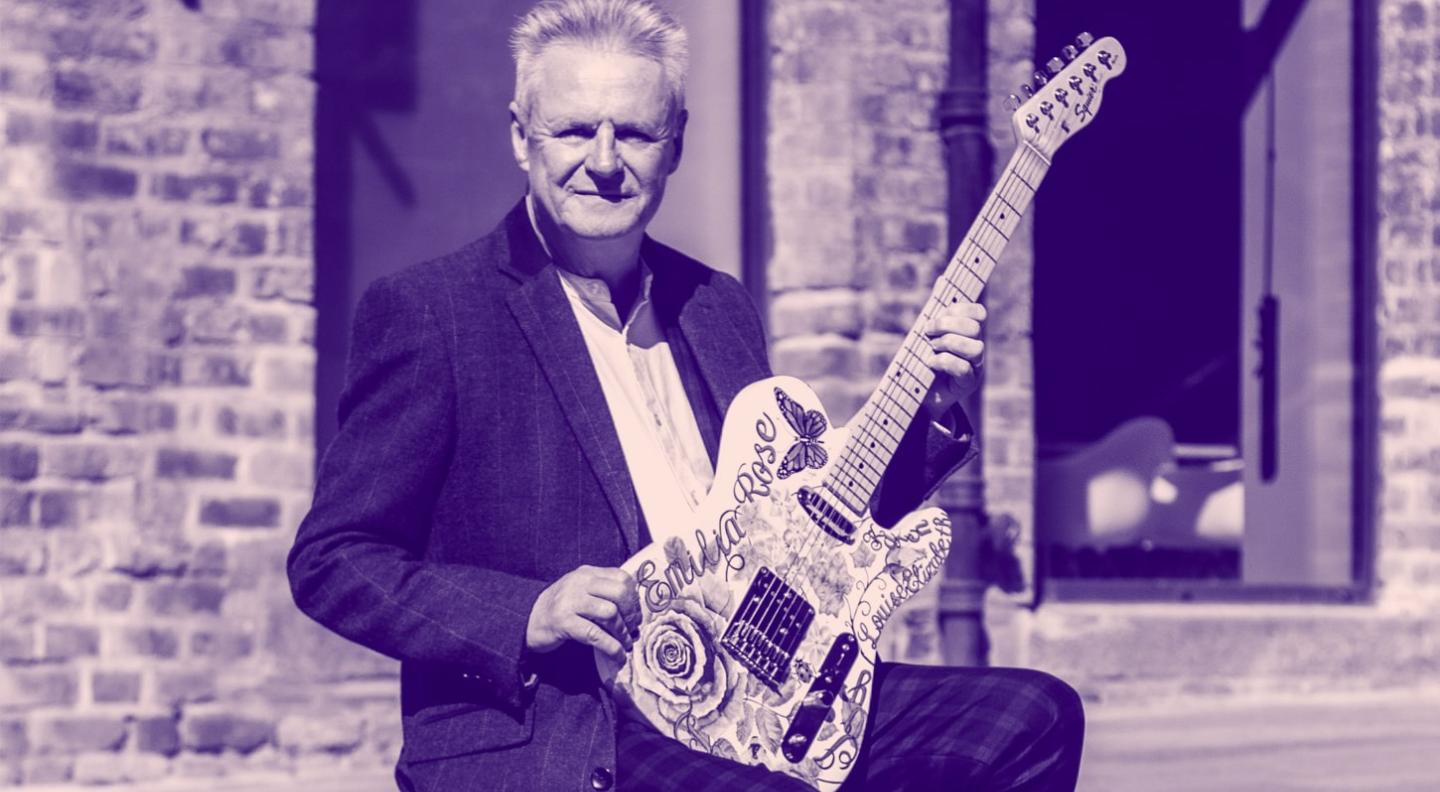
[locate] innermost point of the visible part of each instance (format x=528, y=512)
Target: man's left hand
x=957, y=354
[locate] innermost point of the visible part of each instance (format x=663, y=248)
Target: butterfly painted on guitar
x=807, y=452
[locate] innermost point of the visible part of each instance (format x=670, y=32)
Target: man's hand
x=596, y=606
x=957, y=354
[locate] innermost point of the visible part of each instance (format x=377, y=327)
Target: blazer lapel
x=545, y=317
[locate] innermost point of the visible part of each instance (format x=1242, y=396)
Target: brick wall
x=156, y=397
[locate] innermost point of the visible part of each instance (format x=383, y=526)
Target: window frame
x=1364, y=392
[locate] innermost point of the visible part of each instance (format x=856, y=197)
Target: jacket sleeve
x=357, y=565
x=932, y=449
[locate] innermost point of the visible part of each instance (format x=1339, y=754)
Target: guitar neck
x=876, y=430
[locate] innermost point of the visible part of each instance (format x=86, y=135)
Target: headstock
x=1065, y=96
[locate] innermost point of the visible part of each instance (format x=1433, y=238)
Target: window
x=1200, y=308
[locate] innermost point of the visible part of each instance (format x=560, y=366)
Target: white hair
x=636, y=27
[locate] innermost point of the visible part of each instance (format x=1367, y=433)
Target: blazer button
x=601, y=778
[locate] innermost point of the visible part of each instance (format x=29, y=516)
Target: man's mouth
x=608, y=196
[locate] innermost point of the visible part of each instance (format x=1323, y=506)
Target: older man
x=516, y=409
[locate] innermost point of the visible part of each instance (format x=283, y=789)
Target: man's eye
x=634, y=136
x=573, y=133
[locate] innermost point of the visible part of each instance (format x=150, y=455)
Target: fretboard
x=876, y=429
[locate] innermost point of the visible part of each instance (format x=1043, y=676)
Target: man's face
x=600, y=141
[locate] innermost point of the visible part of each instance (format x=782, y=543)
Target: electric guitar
x=762, y=611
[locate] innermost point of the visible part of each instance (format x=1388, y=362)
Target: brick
x=240, y=144
x=240, y=512
x=216, y=733
x=202, y=281
x=55, y=420
x=74, y=734
x=188, y=598
x=17, y=643
x=32, y=687
x=151, y=641
x=14, y=741
x=19, y=461
x=333, y=733
x=181, y=463
x=60, y=509
x=16, y=507
x=268, y=329
x=815, y=312
x=78, y=181
x=283, y=375
x=223, y=646
x=91, y=462
x=92, y=92
x=295, y=284
x=213, y=188
x=247, y=239
x=23, y=554
x=217, y=324
x=93, y=769
x=276, y=469
x=123, y=44
x=110, y=365
x=174, y=688
x=67, y=642
x=79, y=136
x=139, y=140
x=815, y=356
x=262, y=422
x=158, y=735
x=48, y=769
x=129, y=416
x=114, y=596
x=216, y=370
x=278, y=192
x=115, y=687
x=34, y=320
x=209, y=560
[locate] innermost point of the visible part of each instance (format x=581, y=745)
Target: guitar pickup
x=829, y=518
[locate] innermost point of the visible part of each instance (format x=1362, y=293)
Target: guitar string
x=940, y=297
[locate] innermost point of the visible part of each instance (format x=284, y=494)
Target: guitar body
x=760, y=625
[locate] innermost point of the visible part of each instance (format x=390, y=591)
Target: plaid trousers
x=931, y=728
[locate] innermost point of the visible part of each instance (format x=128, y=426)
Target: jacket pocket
x=462, y=728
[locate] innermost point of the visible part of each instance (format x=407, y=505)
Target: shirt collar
x=594, y=293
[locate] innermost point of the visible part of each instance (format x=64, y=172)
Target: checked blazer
x=475, y=464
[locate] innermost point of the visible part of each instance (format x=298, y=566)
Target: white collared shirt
x=664, y=450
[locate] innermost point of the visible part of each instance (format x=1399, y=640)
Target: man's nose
x=604, y=159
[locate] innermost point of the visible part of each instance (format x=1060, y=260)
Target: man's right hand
x=596, y=606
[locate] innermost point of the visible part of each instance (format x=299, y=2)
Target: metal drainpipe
x=964, y=125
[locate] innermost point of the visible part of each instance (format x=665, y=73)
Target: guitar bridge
x=768, y=627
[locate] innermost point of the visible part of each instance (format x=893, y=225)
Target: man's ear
x=678, y=139
x=517, y=139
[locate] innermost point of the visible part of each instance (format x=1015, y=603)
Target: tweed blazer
x=475, y=464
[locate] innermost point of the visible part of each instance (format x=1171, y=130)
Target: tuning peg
x=1084, y=40
x=1027, y=90
x=1054, y=65
x=1069, y=52
x=1038, y=79
x=1012, y=103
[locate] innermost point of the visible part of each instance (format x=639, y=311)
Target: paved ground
x=1371, y=744
x=1374, y=744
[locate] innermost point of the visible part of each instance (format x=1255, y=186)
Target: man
x=513, y=412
